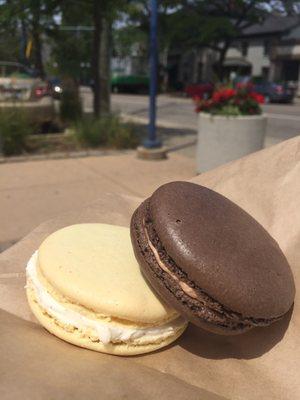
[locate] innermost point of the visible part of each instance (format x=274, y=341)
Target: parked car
x=275, y=92
x=202, y=89
x=55, y=87
x=129, y=83
x=20, y=87
x=18, y=82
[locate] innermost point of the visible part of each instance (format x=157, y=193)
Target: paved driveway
x=178, y=114
x=34, y=191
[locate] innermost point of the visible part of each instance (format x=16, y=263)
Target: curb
x=62, y=155
x=160, y=123
x=96, y=153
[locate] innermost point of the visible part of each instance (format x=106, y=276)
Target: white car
x=20, y=88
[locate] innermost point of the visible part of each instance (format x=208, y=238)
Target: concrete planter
x=223, y=139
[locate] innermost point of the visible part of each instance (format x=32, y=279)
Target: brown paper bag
x=261, y=364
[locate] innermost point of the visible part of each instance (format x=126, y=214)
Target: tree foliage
x=182, y=25
x=30, y=20
x=217, y=23
x=71, y=44
x=193, y=24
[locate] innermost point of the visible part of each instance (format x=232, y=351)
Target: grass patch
x=49, y=143
x=18, y=135
x=70, y=102
x=14, y=130
x=107, y=131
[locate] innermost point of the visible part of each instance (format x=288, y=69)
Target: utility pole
x=152, y=141
x=152, y=148
x=23, y=44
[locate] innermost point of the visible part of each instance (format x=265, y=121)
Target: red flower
x=240, y=85
x=257, y=97
x=216, y=97
x=244, y=86
x=229, y=93
x=246, y=101
x=223, y=95
x=197, y=98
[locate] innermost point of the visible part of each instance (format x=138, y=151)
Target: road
x=177, y=117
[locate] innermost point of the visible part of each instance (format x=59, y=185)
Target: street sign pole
x=152, y=141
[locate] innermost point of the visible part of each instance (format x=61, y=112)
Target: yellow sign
x=28, y=48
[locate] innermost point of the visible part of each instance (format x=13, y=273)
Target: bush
x=231, y=102
x=107, y=131
x=70, y=103
x=14, y=129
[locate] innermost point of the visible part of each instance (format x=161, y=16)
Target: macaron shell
x=74, y=338
x=94, y=265
x=165, y=286
x=183, y=309
x=223, y=250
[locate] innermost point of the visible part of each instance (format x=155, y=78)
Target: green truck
x=129, y=83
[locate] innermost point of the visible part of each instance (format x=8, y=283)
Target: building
x=270, y=51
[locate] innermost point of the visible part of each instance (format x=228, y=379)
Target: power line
x=75, y=28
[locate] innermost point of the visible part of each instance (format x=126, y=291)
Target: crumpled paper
x=261, y=364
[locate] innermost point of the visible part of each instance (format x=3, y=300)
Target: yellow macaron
x=85, y=286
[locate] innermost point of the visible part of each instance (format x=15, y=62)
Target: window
x=266, y=47
x=199, y=71
x=245, y=46
x=265, y=73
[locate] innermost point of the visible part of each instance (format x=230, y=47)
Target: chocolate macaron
x=210, y=260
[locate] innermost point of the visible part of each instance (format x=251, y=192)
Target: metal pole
x=23, y=44
x=152, y=141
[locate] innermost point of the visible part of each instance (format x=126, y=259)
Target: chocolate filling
x=204, y=306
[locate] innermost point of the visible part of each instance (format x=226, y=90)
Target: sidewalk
x=34, y=191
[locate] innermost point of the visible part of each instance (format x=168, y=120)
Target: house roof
x=273, y=24
x=236, y=62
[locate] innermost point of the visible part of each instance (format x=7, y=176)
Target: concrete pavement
x=34, y=191
x=178, y=114
x=31, y=192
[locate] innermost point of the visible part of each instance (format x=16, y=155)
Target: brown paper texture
x=261, y=364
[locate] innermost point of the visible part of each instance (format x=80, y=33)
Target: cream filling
x=184, y=286
x=105, y=332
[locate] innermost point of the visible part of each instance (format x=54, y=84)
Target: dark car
x=129, y=83
x=202, y=89
x=55, y=87
x=275, y=92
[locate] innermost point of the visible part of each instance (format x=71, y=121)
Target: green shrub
x=90, y=132
x=229, y=111
x=107, y=131
x=70, y=103
x=14, y=129
x=228, y=101
x=124, y=138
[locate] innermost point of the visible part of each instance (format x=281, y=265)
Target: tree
x=105, y=12
x=102, y=18
x=217, y=23
x=90, y=44
x=83, y=38
x=139, y=15
x=191, y=24
x=33, y=19
x=40, y=19
x=9, y=45
x=167, y=29
x=71, y=42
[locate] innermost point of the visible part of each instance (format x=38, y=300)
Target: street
x=177, y=120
